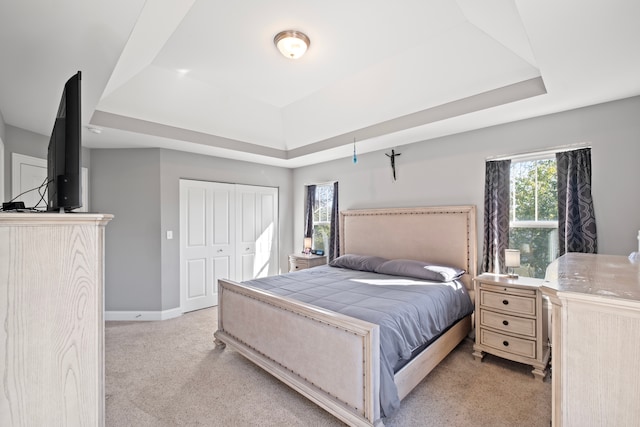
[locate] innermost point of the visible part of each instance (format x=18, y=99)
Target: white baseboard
x=142, y=315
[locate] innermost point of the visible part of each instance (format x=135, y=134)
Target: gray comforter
x=410, y=312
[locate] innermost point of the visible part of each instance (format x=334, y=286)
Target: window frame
x=327, y=222
x=535, y=223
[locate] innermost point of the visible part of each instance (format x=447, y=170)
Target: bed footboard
x=332, y=359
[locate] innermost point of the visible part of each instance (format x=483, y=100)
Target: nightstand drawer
x=507, y=323
x=294, y=266
x=510, y=303
x=519, y=346
x=302, y=262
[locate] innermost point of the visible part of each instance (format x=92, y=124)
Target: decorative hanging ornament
x=355, y=156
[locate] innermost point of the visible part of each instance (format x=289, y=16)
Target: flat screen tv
x=64, y=158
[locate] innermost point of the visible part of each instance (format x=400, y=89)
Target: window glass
x=322, y=217
x=533, y=214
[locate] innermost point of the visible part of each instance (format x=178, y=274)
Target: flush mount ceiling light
x=292, y=44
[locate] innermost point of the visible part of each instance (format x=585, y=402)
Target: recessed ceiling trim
x=482, y=101
x=115, y=121
x=493, y=98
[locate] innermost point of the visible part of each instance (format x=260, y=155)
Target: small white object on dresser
x=511, y=321
x=303, y=261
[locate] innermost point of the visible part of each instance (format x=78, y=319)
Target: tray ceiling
x=204, y=76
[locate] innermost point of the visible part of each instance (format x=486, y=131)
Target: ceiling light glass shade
x=292, y=44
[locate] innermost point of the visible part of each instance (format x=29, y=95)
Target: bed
x=335, y=359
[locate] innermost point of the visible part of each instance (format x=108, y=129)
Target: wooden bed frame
x=333, y=359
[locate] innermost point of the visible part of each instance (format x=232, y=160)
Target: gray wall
x=450, y=170
x=25, y=142
x=141, y=188
x=126, y=183
x=2, y=126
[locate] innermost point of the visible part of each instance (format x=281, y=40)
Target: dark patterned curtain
x=496, y=215
x=576, y=218
x=308, y=214
x=334, y=236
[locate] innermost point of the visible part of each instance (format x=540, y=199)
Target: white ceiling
x=204, y=76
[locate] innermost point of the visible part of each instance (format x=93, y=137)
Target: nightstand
x=511, y=321
x=302, y=261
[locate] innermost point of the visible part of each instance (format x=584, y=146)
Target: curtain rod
x=548, y=151
x=322, y=183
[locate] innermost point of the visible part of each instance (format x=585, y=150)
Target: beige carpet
x=169, y=373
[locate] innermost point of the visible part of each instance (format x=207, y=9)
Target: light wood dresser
x=511, y=321
x=596, y=340
x=303, y=261
x=51, y=309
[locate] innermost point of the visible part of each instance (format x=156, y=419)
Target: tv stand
x=51, y=308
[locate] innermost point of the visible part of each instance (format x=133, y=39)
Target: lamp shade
x=511, y=258
x=307, y=242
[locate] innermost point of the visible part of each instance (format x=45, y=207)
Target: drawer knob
x=505, y=301
x=505, y=343
x=505, y=322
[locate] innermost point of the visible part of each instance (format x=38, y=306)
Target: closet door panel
x=266, y=244
x=257, y=237
x=207, y=247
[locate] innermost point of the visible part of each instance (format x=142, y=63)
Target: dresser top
x=52, y=218
x=504, y=280
x=610, y=276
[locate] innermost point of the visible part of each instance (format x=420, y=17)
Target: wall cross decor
x=392, y=157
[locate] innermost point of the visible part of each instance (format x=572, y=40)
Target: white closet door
x=257, y=231
x=207, y=224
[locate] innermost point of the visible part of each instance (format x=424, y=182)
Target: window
x=533, y=214
x=322, y=216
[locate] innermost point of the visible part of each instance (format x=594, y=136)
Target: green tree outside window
x=533, y=214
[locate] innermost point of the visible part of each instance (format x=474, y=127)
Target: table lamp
x=307, y=245
x=511, y=260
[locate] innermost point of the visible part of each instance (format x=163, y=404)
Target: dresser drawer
x=508, y=303
x=508, y=290
x=519, y=346
x=507, y=323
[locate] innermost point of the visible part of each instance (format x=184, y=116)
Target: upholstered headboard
x=443, y=234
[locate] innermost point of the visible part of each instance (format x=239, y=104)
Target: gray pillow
x=419, y=270
x=358, y=262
